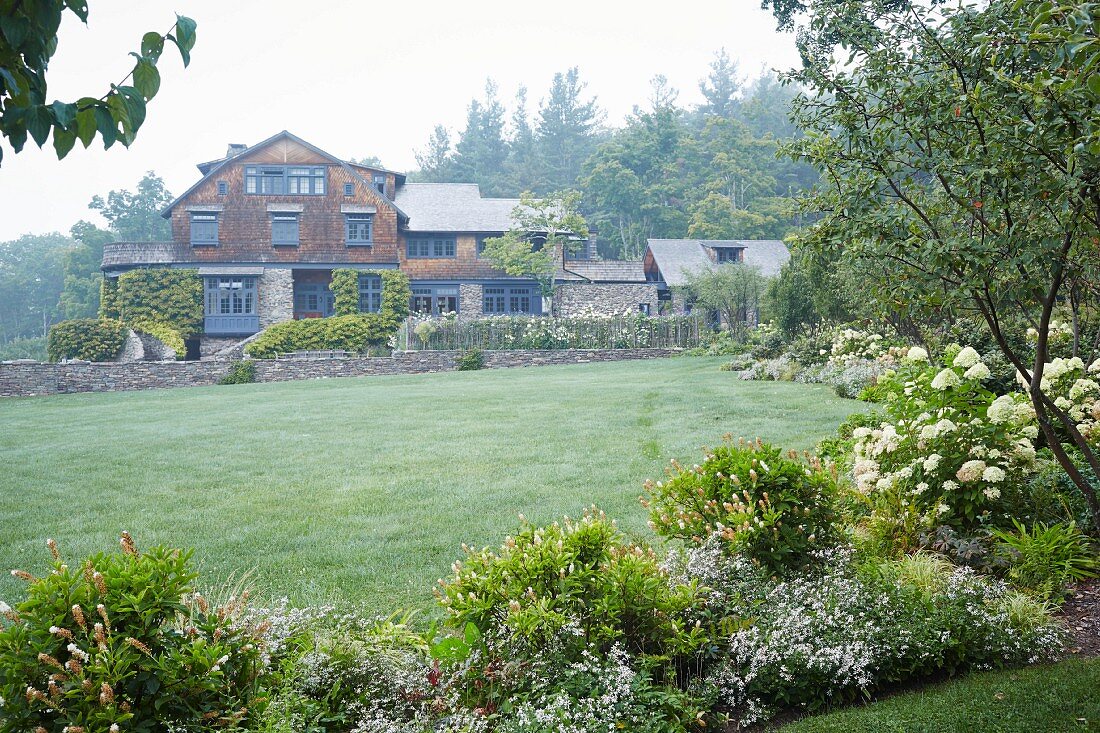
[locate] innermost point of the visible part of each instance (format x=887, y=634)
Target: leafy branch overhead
x=28, y=40
x=542, y=227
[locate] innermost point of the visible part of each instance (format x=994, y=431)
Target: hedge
x=89, y=339
x=355, y=333
x=345, y=291
x=108, y=298
x=167, y=335
x=162, y=295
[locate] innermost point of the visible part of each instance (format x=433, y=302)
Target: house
x=670, y=263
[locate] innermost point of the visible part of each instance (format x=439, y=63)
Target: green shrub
x=240, y=372
x=167, y=335
x=24, y=348
x=470, y=360
x=342, y=333
x=1045, y=558
x=108, y=298
x=89, y=339
x=162, y=295
x=396, y=294
x=771, y=508
x=122, y=640
x=576, y=583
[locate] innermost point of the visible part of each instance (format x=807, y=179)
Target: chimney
x=235, y=149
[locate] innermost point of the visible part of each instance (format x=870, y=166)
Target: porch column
x=276, y=296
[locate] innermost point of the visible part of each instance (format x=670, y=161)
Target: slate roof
x=453, y=207
x=676, y=258
x=602, y=271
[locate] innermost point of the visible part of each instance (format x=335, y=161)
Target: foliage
x=124, y=641
x=1042, y=559
x=135, y=217
x=31, y=280
x=732, y=290
x=543, y=229
x=24, y=348
x=1005, y=92
x=88, y=339
x=835, y=634
x=108, y=298
x=345, y=291
x=470, y=360
x=396, y=294
x=633, y=330
x=773, y=509
x=578, y=583
x=355, y=333
x=241, y=371
x=164, y=295
x=80, y=266
x=810, y=292
x=167, y=335
x=28, y=39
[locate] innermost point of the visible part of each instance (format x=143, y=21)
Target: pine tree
x=721, y=87
x=566, y=130
x=523, y=167
x=436, y=162
x=481, y=150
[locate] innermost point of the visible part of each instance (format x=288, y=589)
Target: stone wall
x=211, y=345
x=605, y=299
x=29, y=378
x=470, y=301
x=276, y=296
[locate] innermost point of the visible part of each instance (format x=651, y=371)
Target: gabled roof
x=218, y=165
x=453, y=207
x=602, y=271
x=679, y=258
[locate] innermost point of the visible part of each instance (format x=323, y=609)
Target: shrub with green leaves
x=123, y=642
x=163, y=332
x=470, y=360
x=89, y=339
x=242, y=371
x=772, y=508
x=162, y=295
x=1044, y=558
x=580, y=576
x=355, y=333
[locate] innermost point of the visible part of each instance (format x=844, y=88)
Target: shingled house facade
x=266, y=225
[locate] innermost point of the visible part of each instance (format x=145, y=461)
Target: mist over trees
x=708, y=171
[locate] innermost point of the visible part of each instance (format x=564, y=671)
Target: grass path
x=363, y=489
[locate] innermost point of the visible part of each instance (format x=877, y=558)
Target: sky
x=356, y=78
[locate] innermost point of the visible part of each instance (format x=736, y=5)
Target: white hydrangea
x=950, y=486
x=932, y=462
x=1001, y=410
x=992, y=493
x=916, y=353
x=979, y=371
x=966, y=358
x=993, y=474
x=970, y=471
x=946, y=379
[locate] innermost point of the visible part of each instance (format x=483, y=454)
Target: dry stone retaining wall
x=27, y=378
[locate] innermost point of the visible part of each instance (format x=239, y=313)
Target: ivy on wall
x=396, y=293
x=162, y=295
x=89, y=339
x=345, y=291
x=108, y=298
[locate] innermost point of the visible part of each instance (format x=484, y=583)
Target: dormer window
x=380, y=183
x=729, y=254
x=276, y=180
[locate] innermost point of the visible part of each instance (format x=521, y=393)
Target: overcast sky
x=356, y=78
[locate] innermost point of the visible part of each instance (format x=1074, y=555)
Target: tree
x=524, y=172
x=544, y=228
x=731, y=290
x=566, y=130
x=80, y=268
x=436, y=163
x=962, y=153
x=721, y=87
x=28, y=39
x=370, y=161
x=30, y=284
x=135, y=217
x=481, y=149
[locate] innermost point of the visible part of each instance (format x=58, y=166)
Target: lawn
x=1059, y=697
x=362, y=490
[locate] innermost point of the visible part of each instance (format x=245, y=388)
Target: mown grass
x=363, y=489
x=1059, y=697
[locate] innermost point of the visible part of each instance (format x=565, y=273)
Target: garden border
x=32, y=378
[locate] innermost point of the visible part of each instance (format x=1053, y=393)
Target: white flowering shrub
x=944, y=453
x=830, y=636
x=1075, y=390
x=851, y=345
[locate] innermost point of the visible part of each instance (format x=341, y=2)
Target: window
x=481, y=242
x=370, y=293
x=434, y=300
x=644, y=309
x=204, y=228
x=358, y=228
x=349, y=189
x=510, y=300
x=275, y=180
x=431, y=247
x=577, y=251
x=313, y=300
x=223, y=188
x=380, y=183
x=728, y=254
x=284, y=228
x=230, y=296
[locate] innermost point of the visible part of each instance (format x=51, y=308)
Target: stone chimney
x=235, y=149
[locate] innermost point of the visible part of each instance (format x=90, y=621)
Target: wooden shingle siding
x=465, y=265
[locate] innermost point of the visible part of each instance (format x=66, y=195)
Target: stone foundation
x=211, y=345
x=29, y=378
x=276, y=296
x=577, y=299
x=470, y=301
